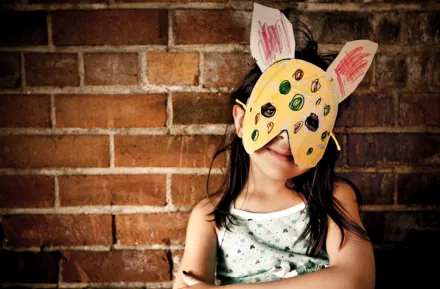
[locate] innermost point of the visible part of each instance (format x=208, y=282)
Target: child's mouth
x=282, y=157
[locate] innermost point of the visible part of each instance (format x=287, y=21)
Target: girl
x=275, y=223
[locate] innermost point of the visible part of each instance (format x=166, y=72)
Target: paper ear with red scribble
x=350, y=66
x=272, y=36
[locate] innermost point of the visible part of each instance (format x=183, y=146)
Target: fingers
x=189, y=280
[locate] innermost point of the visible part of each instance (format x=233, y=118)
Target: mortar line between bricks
x=81, y=68
x=170, y=41
x=56, y=192
x=110, y=171
x=183, y=130
x=53, y=119
x=98, y=248
x=169, y=111
x=127, y=210
x=189, y=171
x=111, y=149
x=149, y=89
x=201, y=70
x=168, y=195
x=143, y=69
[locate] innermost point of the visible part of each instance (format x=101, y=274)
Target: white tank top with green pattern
x=260, y=248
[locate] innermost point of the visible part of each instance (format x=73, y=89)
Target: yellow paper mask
x=295, y=95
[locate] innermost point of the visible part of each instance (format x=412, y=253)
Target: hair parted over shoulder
x=316, y=185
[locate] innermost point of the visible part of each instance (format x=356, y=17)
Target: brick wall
x=110, y=111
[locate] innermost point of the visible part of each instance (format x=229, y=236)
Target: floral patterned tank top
x=260, y=247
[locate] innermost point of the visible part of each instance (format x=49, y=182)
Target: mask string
x=336, y=141
x=241, y=103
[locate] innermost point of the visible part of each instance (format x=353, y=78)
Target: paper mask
x=295, y=95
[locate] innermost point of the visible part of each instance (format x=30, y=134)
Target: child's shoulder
x=201, y=212
x=344, y=192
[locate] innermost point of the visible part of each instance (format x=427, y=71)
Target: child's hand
x=195, y=283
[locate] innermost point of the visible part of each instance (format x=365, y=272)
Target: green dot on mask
x=297, y=102
x=285, y=87
x=324, y=135
x=326, y=109
x=255, y=134
x=309, y=151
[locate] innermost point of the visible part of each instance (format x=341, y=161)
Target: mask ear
x=271, y=36
x=350, y=66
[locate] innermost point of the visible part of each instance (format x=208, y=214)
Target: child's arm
x=352, y=267
x=200, y=246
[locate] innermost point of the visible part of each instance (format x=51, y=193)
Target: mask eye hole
x=268, y=110
x=312, y=122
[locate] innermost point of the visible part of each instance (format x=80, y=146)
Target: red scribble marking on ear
x=351, y=67
x=273, y=39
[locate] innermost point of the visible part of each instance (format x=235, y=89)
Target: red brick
x=19, y=151
x=400, y=225
x=202, y=108
x=344, y=26
x=10, y=75
x=166, y=151
x=29, y=267
x=421, y=27
x=53, y=69
x=173, y=68
x=211, y=26
x=420, y=64
x=391, y=70
x=26, y=191
x=21, y=28
x=114, y=266
x=387, y=26
x=111, y=27
x=62, y=230
x=25, y=111
x=393, y=149
x=69, y=1
x=112, y=190
x=169, y=229
x=375, y=188
x=362, y=104
x=187, y=190
x=419, y=188
x=110, y=68
x=111, y=111
x=172, y=1
x=419, y=109
x=222, y=69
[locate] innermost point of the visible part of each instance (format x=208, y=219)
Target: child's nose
x=284, y=136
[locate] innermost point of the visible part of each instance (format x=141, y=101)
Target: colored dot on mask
x=326, y=110
x=285, y=87
x=297, y=102
x=324, y=135
x=254, y=135
x=309, y=151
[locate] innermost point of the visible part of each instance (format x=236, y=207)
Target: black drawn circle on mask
x=285, y=87
x=326, y=110
x=324, y=135
x=309, y=151
x=297, y=102
x=255, y=135
x=268, y=110
x=298, y=75
x=312, y=122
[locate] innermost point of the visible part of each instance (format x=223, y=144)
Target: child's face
x=275, y=159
